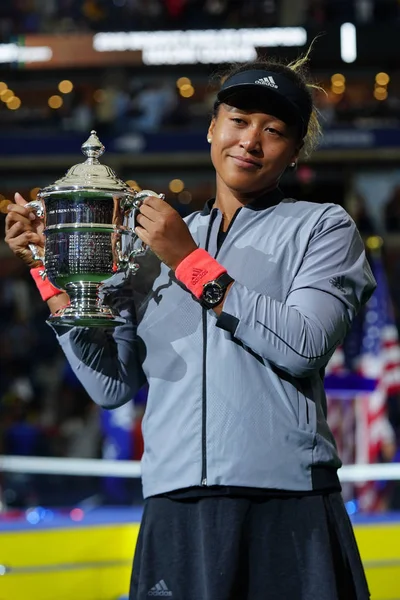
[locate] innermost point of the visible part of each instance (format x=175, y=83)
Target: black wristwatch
x=214, y=291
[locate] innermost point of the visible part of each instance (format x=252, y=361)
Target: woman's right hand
x=23, y=227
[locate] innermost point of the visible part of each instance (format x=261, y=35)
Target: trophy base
x=85, y=308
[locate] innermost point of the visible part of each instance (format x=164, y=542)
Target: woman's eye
x=273, y=131
x=237, y=120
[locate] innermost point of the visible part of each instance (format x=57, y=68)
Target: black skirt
x=247, y=548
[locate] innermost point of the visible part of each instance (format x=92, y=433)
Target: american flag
x=359, y=423
x=379, y=359
x=341, y=412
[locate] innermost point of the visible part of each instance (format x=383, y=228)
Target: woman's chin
x=244, y=188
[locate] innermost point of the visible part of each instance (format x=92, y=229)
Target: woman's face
x=250, y=149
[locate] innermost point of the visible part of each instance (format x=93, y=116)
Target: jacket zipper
x=204, y=380
x=204, y=403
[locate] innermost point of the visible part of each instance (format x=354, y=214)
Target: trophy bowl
x=89, y=222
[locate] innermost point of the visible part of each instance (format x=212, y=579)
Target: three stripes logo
x=269, y=81
x=160, y=590
x=338, y=283
x=198, y=274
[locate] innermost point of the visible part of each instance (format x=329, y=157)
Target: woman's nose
x=251, y=141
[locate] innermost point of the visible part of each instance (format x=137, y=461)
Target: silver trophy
x=89, y=221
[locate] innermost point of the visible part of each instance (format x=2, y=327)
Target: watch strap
x=224, y=280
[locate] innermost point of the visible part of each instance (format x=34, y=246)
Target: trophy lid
x=90, y=175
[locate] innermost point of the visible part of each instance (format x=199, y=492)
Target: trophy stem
x=85, y=308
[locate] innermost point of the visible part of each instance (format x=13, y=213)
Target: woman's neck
x=228, y=210
x=228, y=202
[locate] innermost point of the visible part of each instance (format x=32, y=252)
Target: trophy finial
x=93, y=148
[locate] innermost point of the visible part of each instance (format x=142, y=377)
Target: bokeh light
x=34, y=192
x=186, y=90
x=183, y=81
x=338, y=79
x=14, y=103
x=134, y=185
x=374, y=242
x=185, y=197
x=338, y=89
x=380, y=93
x=176, y=186
x=382, y=79
x=55, y=101
x=99, y=95
x=6, y=95
x=76, y=514
x=65, y=86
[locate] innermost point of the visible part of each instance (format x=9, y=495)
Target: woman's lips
x=246, y=163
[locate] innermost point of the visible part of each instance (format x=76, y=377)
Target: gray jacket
x=237, y=400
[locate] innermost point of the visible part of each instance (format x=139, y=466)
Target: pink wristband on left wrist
x=198, y=268
x=47, y=290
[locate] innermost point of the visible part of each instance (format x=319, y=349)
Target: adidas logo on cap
x=269, y=81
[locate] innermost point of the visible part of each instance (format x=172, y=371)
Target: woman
x=232, y=334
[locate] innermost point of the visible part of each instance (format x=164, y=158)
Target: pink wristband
x=46, y=289
x=197, y=269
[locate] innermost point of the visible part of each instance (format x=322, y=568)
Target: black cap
x=271, y=91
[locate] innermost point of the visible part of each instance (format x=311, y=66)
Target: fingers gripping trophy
x=89, y=219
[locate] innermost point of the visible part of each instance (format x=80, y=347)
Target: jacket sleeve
x=332, y=283
x=106, y=362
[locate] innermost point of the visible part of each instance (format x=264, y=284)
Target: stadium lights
x=206, y=46
x=348, y=42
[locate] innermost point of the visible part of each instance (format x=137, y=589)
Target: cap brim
x=250, y=96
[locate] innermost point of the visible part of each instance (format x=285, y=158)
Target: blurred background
x=141, y=73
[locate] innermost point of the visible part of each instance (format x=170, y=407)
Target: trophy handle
x=37, y=207
x=136, y=201
x=126, y=260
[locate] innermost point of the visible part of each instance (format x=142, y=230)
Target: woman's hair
x=297, y=72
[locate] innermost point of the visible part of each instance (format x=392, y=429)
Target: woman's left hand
x=162, y=228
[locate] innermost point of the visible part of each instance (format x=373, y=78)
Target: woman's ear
x=210, y=131
x=296, y=153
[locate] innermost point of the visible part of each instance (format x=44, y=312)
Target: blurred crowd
x=34, y=16
x=117, y=101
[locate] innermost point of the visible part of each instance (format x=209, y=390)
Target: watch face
x=212, y=293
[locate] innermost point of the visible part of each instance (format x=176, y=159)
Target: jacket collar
x=262, y=202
